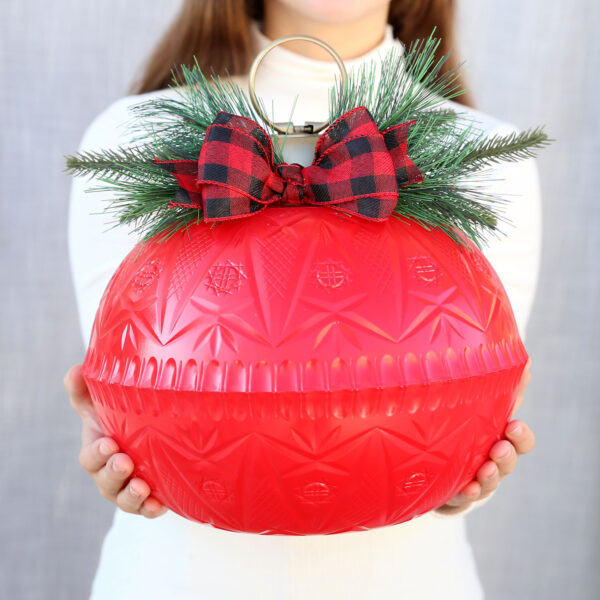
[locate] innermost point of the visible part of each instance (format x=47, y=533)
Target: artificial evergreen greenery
x=447, y=146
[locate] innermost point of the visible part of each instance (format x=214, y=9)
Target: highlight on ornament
x=307, y=349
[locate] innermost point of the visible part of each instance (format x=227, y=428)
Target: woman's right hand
x=100, y=456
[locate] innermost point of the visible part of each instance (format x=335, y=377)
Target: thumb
x=78, y=392
x=525, y=379
x=81, y=401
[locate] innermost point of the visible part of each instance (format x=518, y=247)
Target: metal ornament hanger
x=310, y=127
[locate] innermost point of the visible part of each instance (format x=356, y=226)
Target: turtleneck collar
x=282, y=60
x=284, y=74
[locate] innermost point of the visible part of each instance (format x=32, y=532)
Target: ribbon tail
x=370, y=209
x=186, y=173
x=396, y=141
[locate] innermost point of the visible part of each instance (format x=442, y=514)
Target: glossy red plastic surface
x=302, y=372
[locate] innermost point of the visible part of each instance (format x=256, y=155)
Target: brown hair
x=213, y=32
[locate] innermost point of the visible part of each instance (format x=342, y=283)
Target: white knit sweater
x=171, y=557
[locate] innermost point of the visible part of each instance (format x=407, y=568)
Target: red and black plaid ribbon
x=356, y=169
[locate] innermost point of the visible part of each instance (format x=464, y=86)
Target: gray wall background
x=62, y=62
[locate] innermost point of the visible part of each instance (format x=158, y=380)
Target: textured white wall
x=62, y=62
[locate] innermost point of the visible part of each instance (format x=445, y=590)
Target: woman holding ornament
x=176, y=558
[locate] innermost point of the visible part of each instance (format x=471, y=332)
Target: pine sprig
x=402, y=86
x=131, y=163
x=511, y=148
x=180, y=122
x=448, y=147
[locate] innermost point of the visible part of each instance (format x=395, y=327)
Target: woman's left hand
x=503, y=459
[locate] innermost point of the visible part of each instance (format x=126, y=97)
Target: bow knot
x=356, y=169
x=287, y=181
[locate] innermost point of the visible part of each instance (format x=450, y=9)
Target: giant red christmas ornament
x=303, y=372
x=312, y=349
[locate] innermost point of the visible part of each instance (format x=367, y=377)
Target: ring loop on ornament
x=307, y=38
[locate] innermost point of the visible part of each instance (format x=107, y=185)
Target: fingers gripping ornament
x=306, y=349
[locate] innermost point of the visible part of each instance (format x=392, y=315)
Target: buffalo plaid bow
x=356, y=168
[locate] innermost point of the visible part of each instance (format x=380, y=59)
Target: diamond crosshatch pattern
x=269, y=375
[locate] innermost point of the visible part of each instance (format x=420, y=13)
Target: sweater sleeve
x=96, y=246
x=515, y=256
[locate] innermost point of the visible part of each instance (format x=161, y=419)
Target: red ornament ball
x=301, y=371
